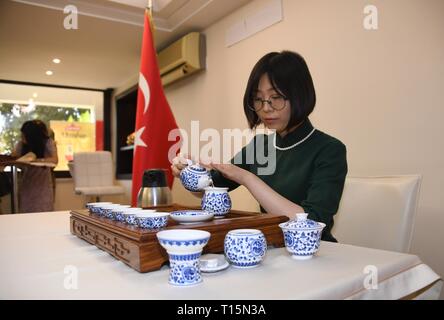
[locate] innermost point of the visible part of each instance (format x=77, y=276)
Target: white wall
x=380, y=92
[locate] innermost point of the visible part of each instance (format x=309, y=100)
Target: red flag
x=154, y=118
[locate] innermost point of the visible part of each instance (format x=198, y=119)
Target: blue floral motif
x=245, y=250
x=152, y=222
x=302, y=243
x=184, y=242
x=131, y=219
x=216, y=202
x=184, y=269
x=190, y=177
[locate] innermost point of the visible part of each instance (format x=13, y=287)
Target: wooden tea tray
x=140, y=249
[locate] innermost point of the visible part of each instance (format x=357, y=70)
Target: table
x=42, y=260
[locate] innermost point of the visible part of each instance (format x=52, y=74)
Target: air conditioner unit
x=182, y=58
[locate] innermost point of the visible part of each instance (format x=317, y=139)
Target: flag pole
x=149, y=11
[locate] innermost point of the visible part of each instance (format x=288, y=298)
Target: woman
x=310, y=165
x=36, y=190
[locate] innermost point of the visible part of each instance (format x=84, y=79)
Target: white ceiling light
x=34, y=94
x=49, y=73
x=56, y=60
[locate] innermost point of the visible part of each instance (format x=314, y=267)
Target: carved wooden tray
x=140, y=249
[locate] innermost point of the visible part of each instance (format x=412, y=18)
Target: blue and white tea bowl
x=302, y=236
x=184, y=247
x=116, y=209
x=121, y=213
x=152, y=220
x=217, y=201
x=94, y=207
x=195, y=178
x=130, y=215
x=107, y=211
x=245, y=248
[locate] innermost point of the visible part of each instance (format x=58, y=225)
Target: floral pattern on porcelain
x=302, y=236
x=131, y=219
x=195, y=178
x=245, y=248
x=152, y=222
x=184, y=243
x=185, y=269
x=184, y=248
x=216, y=201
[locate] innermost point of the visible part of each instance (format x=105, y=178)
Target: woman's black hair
x=36, y=136
x=290, y=77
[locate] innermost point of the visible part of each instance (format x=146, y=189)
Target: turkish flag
x=154, y=118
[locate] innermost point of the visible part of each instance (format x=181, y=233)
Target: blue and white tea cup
x=152, y=220
x=217, y=201
x=107, y=211
x=116, y=209
x=94, y=207
x=130, y=216
x=184, y=248
x=120, y=213
x=245, y=248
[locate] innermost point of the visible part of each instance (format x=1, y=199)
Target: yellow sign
x=72, y=137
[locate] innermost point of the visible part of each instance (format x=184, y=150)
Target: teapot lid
x=197, y=167
x=301, y=222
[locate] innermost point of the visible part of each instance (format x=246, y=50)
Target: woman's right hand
x=179, y=163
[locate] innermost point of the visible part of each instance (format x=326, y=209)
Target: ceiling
x=104, y=51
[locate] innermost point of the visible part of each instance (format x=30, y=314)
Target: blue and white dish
x=191, y=216
x=245, y=248
x=217, y=201
x=211, y=262
x=302, y=236
x=194, y=177
x=152, y=220
x=184, y=247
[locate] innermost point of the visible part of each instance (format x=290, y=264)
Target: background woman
x=36, y=191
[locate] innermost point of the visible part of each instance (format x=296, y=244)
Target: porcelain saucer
x=191, y=216
x=213, y=263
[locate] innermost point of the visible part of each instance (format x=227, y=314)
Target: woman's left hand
x=232, y=172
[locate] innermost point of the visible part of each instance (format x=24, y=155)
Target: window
x=70, y=114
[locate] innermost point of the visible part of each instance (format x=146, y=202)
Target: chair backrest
x=92, y=169
x=378, y=212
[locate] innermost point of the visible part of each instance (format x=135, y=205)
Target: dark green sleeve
x=326, y=184
x=220, y=181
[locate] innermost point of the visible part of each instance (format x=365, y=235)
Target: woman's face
x=272, y=118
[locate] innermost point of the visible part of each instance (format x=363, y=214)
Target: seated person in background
x=36, y=191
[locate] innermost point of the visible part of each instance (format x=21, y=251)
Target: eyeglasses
x=277, y=102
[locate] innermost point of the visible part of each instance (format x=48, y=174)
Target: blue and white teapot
x=195, y=178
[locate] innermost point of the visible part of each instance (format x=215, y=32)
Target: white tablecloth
x=37, y=249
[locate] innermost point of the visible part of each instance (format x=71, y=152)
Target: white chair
x=93, y=174
x=378, y=212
